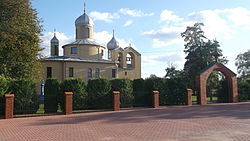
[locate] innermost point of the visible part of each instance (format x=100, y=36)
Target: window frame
x=72, y=51
x=71, y=72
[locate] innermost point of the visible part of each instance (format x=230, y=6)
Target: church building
x=84, y=58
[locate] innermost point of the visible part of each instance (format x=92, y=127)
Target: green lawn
x=194, y=98
x=41, y=109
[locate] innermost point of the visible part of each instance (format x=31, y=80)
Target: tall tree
x=243, y=64
x=19, y=39
x=200, y=51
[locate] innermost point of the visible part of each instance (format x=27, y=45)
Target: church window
x=113, y=73
x=56, y=50
x=89, y=73
x=49, y=72
x=97, y=73
x=73, y=50
x=71, y=72
x=86, y=32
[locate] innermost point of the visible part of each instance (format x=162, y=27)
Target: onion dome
x=113, y=43
x=54, y=39
x=84, y=20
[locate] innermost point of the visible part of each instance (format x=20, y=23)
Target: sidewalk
x=215, y=122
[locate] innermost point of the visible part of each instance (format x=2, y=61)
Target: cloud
x=222, y=23
x=104, y=16
x=127, y=23
x=134, y=13
x=63, y=39
x=167, y=15
x=104, y=37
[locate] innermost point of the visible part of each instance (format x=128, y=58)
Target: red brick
x=116, y=100
x=155, y=98
x=68, y=102
x=9, y=106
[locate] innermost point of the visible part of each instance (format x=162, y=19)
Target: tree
x=200, y=52
x=243, y=64
x=19, y=39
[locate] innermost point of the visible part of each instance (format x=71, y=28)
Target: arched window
x=130, y=60
x=89, y=73
x=97, y=73
x=86, y=32
x=120, y=59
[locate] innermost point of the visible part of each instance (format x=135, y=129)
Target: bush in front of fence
x=155, y=84
x=51, y=95
x=174, y=91
x=99, y=95
x=77, y=86
x=26, y=100
x=3, y=90
x=141, y=97
x=244, y=90
x=126, y=89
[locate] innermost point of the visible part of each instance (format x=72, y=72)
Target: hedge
x=51, y=95
x=3, y=90
x=174, y=91
x=152, y=84
x=141, y=97
x=244, y=90
x=99, y=95
x=26, y=101
x=77, y=86
x=125, y=88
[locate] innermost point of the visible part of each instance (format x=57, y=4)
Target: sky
x=152, y=27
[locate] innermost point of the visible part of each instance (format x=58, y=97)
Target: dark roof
x=211, y=65
x=76, y=59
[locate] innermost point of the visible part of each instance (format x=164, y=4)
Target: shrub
x=223, y=91
x=125, y=88
x=141, y=98
x=98, y=93
x=155, y=84
x=3, y=90
x=77, y=86
x=244, y=90
x=51, y=95
x=25, y=100
x=174, y=91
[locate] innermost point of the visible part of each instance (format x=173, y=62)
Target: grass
x=194, y=98
x=41, y=109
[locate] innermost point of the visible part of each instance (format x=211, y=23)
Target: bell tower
x=54, y=45
x=84, y=26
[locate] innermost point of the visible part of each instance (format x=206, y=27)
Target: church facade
x=84, y=58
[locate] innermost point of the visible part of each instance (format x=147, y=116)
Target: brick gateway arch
x=201, y=82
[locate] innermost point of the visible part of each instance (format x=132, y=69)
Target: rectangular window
x=49, y=72
x=73, y=50
x=89, y=73
x=97, y=73
x=71, y=72
x=113, y=73
x=56, y=50
x=86, y=32
x=126, y=73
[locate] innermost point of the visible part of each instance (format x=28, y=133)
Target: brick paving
x=217, y=122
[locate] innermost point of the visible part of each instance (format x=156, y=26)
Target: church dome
x=54, y=39
x=113, y=43
x=84, y=20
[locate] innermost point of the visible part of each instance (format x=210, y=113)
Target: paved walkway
x=228, y=122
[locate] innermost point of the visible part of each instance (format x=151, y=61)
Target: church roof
x=113, y=43
x=54, y=40
x=84, y=20
x=84, y=42
x=77, y=59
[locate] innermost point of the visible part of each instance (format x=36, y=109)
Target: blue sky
x=152, y=27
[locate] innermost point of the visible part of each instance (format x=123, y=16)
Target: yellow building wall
x=84, y=51
x=60, y=70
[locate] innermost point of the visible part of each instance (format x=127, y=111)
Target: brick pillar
x=116, y=100
x=9, y=106
x=189, y=97
x=155, y=98
x=68, y=102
